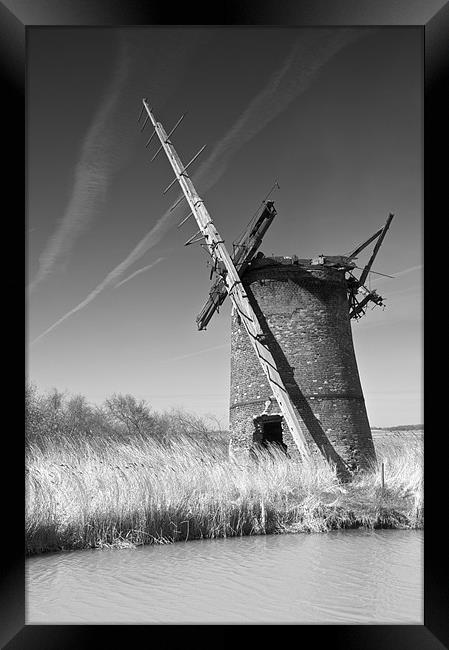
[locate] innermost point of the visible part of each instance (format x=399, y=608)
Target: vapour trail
x=405, y=271
x=80, y=306
x=109, y=279
x=413, y=291
x=303, y=63
x=195, y=354
x=92, y=175
x=139, y=271
x=293, y=78
x=381, y=280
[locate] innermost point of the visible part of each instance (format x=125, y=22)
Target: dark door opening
x=268, y=431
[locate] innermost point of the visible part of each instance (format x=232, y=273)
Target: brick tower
x=294, y=378
x=303, y=309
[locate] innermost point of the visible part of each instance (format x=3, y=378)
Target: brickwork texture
x=303, y=312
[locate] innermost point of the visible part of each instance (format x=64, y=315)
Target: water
x=338, y=577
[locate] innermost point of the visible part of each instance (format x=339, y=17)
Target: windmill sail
x=245, y=249
x=234, y=287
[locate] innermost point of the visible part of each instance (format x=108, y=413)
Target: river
x=356, y=576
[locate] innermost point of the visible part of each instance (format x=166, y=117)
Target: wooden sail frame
x=219, y=253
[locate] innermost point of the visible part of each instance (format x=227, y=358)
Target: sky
x=333, y=115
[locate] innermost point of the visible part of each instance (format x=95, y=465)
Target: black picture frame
x=16, y=18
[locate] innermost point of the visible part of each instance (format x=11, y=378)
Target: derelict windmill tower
x=294, y=377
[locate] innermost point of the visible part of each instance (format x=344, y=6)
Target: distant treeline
x=402, y=427
x=121, y=418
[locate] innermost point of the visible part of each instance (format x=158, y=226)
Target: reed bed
x=107, y=493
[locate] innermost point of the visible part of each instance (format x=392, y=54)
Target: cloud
x=145, y=268
x=92, y=176
x=308, y=55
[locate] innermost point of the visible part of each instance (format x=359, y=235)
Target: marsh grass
x=97, y=493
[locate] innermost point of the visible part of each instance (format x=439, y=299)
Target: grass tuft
x=99, y=493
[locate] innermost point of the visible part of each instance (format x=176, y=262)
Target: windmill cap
x=340, y=262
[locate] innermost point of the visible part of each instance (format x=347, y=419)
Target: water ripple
x=337, y=577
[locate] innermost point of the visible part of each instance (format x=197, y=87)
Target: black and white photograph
x=224, y=295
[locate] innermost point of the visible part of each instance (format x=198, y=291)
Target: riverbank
x=100, y=493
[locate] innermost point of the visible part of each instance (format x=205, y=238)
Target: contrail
x=145, y=268
x=268, y=104
x=156, y=233
x=398, y=274
x=92, y=175
x=303, y=63
x=80, y=306
x=411, y=290
x=292, y=79
x=109, y=279
x=195, y=354
x=405, y=271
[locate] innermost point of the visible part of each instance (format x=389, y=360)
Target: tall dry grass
x=84, y=493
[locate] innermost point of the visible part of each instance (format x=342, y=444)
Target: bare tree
x=134, y=415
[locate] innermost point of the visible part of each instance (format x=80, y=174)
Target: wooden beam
x=236, y=291
x=245, y=249
x=367, y=268
x=366, y=243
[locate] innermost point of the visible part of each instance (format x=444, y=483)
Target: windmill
x=257, y=351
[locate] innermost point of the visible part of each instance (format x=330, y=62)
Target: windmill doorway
x=268, y=432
